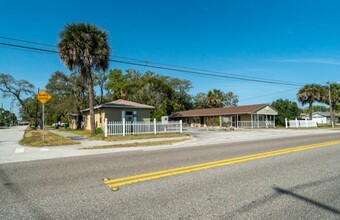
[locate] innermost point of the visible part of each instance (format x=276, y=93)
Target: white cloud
x=326, y=61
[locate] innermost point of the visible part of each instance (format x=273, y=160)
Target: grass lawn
x=144, y=144
x=100, y=136
x=33, y=138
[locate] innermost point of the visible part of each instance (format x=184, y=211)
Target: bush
x=99, y=131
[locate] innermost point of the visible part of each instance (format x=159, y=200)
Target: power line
x=267, y=94
x=162, y=64
x=198, y=72
x=26, y=41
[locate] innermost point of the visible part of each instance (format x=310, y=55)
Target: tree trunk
x=91, y=97
x=310, y=110
x=333, y=113
x=79, y=118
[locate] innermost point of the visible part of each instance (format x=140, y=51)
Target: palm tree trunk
x=91, y=95
x=310, y=110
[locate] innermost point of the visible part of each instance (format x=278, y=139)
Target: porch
x=236, y=121
x=250, y=116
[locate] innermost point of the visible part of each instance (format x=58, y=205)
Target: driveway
x=9, y=138
x=204, y=136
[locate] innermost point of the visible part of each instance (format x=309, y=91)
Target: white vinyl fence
x=256, y=124
x=300, y=123
x=133, y=128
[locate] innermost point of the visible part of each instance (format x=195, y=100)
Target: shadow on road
x=306, y=199
x=11, y=194
x=278, y=191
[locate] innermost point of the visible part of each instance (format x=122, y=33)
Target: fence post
x=123, y=126
x=286, y=122
x=154, y=126
x=297, y=123
x=105, y=127
x=180, y=126
x=306, y=122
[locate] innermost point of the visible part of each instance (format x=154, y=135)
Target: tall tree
x=19, y=89
x=215, y=98
x=167, y=94
x=199, y=100
x=311, y=93
x=100, y=79
x=84, y=48
x=335, y=98
x=69, y=96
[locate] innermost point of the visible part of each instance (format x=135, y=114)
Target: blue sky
x=297, y=41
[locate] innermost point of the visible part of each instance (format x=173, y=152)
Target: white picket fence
x=256, y=124
x=134, y=128
x=300, y=123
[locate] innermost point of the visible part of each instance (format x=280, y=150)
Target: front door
x=234, y=121
x=202, y=121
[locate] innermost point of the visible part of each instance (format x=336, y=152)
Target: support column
x=123, y=126
x=236, y=121
x=105, y=127
x=180, y=126
x=154, y=126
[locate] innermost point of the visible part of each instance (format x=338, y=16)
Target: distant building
x=324, y=117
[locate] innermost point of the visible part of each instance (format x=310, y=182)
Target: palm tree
x=335, y=98
x=84, y=48
x=215, y=98
x=311, y=93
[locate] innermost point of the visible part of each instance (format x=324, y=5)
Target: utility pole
x=330, y=103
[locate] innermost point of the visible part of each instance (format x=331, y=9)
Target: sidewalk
x=11, y=151
x=86, y=142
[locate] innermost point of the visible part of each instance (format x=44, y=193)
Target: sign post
x=43, y=97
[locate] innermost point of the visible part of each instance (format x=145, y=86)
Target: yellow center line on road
x=115, y=183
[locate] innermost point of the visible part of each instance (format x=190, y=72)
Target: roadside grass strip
x=114, y=184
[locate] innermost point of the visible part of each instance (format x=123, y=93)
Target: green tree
x=335, y=98
x=69, y=96
x=317, y=108
x=100, y=81
x=286, y=109
x=117, y=84
x=20, y=90
x=230, y=99
x=311, y=93
x=214, y=99
x=84, y=48
x=199, y=100
x=167, y=94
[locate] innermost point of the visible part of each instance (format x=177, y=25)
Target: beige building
x=116, y=111
x=251, y=116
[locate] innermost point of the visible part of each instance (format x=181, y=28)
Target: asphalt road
x=299, y=185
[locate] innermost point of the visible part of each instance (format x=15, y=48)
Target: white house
x=324, y=117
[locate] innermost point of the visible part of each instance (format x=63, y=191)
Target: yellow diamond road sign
x=43, y=96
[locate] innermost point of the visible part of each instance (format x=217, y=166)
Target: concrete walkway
x=86, y=142
x=11, y=151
